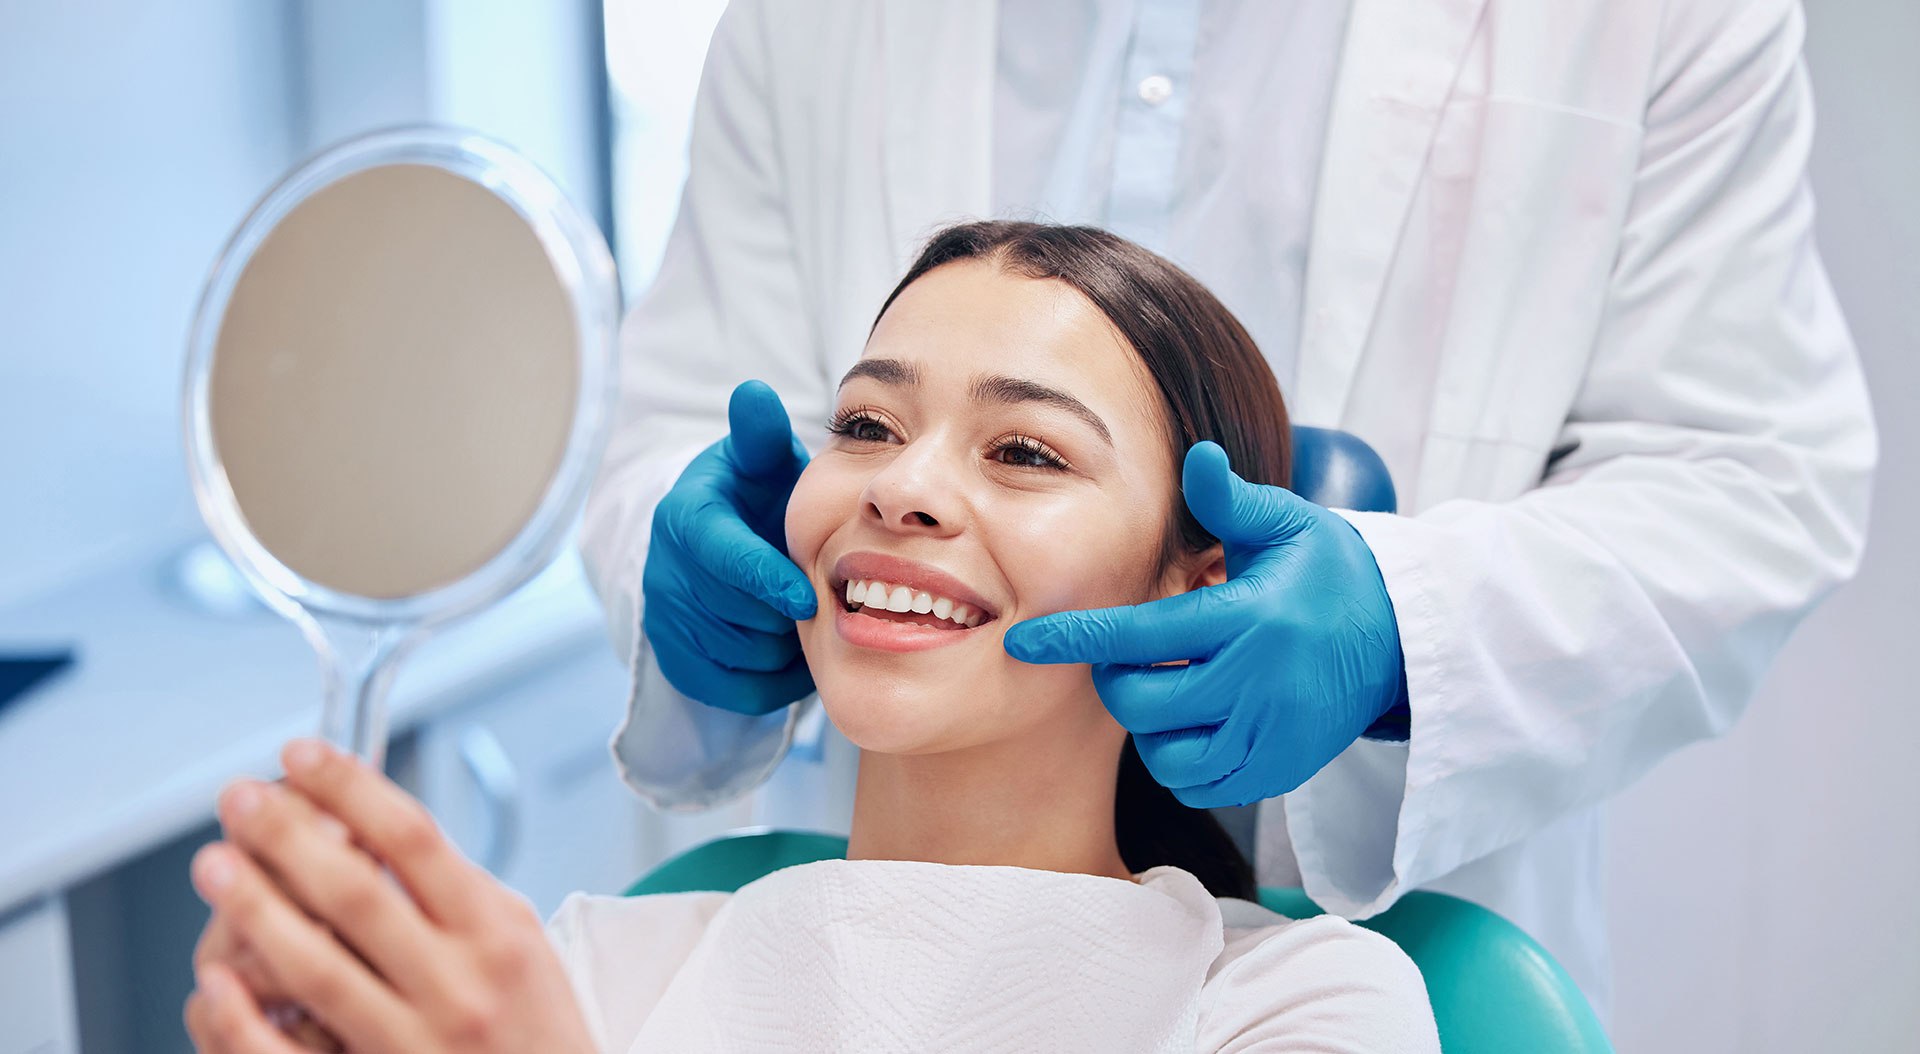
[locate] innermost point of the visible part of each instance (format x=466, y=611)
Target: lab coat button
x=1154, y=90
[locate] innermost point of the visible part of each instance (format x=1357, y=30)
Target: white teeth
x=882, y=597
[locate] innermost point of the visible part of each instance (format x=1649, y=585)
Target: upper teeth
x=876, y=594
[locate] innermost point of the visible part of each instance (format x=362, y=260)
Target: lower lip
x=865, y=631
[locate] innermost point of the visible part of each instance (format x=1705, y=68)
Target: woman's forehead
x=968, y=323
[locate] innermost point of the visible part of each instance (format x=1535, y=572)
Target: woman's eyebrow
x=886, y=371
x=996, y=388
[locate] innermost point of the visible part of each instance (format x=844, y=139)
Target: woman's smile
x=895, y=604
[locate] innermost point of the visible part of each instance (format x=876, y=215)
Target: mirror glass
x=398, y=385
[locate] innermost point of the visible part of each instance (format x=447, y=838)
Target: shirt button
x=1156, y=89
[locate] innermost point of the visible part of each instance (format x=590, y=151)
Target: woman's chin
x=891, y=723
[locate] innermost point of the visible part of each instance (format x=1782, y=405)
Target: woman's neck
x=1041, y=801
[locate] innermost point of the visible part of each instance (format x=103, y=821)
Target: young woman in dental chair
x=1009, y=445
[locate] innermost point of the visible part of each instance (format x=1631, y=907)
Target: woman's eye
x=1022, y=452
x=860, y=427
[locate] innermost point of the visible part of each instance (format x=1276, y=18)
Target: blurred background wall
x=1761, y=887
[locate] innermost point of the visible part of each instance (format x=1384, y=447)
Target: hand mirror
x=398, y=384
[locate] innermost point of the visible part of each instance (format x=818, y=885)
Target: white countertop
x=166, y=702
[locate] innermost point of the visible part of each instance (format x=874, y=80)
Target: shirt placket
x=1153, y=108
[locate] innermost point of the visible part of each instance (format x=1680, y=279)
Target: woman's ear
x=1208, y=569
x=1194, y=570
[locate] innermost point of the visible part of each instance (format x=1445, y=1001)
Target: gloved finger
x=761, y=435
x=1189, y=626
x=1220, y=794
x=1195, y=756
x=1235, y=511
x=673, y=580
x=721, y=546
x=741, y=691
x=745, y=611
x=1147, y=699
x=735, y=647
x=757, y=694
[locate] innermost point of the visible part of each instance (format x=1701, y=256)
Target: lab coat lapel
x=1397, y=68
x=938, y=143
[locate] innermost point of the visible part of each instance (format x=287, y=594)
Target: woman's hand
x=220, y=943
x=436, y=957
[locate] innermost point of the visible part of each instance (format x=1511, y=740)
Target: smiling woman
x=973, y=462
x=1005, y=449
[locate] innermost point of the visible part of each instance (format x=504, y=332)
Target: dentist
x=1555, y=263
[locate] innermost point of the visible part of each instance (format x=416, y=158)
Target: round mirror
x=398, y=384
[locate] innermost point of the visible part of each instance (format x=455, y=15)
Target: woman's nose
x=918, y=492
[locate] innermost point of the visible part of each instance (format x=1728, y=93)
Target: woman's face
x=999, y=454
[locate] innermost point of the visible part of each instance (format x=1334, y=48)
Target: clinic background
x=1762, y=887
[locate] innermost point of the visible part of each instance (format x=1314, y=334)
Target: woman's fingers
x=313, y=859
x=319, y=974
x=223, y=1018
x=219, y=943
x=395, y=828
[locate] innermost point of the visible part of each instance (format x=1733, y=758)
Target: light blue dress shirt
x=1194, y=127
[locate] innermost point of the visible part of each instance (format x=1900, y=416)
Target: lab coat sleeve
x=726, y=305
x=1709, y=486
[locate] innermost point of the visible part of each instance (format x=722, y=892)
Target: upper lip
x=899, y=571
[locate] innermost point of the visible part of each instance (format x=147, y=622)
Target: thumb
x=760, y=434
x=1233, y=510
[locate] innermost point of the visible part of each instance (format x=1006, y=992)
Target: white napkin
x=884, y=955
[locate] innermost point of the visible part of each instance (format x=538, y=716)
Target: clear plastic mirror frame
x=360, y=639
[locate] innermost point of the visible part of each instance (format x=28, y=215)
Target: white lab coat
x=1561, y=277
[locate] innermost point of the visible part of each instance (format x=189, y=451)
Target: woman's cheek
x=1080, y=557
x=808, y=516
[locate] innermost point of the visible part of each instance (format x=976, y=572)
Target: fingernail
x=304, y=755
x=213, y=872
x=243, y=799
x=212, y=982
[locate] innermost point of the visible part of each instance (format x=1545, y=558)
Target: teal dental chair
x=1494, y=990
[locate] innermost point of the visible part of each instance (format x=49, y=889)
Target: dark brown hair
x=1214, y=384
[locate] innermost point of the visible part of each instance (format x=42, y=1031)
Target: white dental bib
x=874, y=955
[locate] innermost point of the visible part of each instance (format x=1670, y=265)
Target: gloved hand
x=1289, y=660
x=720, y=595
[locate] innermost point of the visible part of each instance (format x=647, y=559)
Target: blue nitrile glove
x=1291, y=658
x=720, y=594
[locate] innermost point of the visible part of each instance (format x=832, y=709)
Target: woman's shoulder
x=622, y=952
x=1278, y=978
